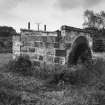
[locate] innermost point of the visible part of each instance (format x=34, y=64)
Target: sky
x=53, y=13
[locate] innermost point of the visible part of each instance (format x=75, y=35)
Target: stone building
x=64, y=46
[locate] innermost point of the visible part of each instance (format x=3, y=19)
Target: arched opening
x=80, y=51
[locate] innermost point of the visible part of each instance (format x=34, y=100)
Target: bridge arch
x=80, y=50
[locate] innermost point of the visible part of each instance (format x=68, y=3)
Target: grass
x=86, y=86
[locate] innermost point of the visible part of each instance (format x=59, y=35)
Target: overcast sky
x=53, y=13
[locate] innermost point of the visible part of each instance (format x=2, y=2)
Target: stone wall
x=16, y=45
x=99, y=44
x=42, y=46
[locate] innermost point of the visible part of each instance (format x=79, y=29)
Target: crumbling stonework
x=57, y=47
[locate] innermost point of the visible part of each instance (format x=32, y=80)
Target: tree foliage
x=7, y=31
x=93, y=19
x=6, y=34
x=22, y=65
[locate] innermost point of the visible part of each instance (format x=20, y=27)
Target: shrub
x=22, y=65
x=92, y=74
x=99, y=66
x=46, y=71
x=82, y=75
x=8, y=98
x=96, y=98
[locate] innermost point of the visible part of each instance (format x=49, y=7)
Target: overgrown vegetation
x=94, y=19
x=9, y=98
x=22, y=65
x=78, y=75
x=6, y=34
x=77, y=85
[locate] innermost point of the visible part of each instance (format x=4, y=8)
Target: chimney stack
x=44, y=27
x=28, y=25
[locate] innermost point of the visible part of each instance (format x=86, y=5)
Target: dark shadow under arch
x=80, y=51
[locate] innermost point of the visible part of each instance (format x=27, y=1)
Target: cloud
x=18, y=12
x=71, y=4
x=10, y=9
x=90, y=3
x=6, y=5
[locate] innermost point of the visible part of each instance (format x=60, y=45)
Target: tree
x=7, y=31
x=6, y=34
x=92, y=19
x=102, y=13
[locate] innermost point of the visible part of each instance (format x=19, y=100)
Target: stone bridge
x=66, y=46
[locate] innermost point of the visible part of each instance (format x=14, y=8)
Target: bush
x=9, y=98
x=81, y=75
x=41, y=73
x=99, y=66
x=22, y=65
x=96, y=98
x=92, y=74
x=46, y=71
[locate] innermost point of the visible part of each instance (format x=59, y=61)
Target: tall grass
x=84, y=85
x=9, y=98
x=78, y=75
